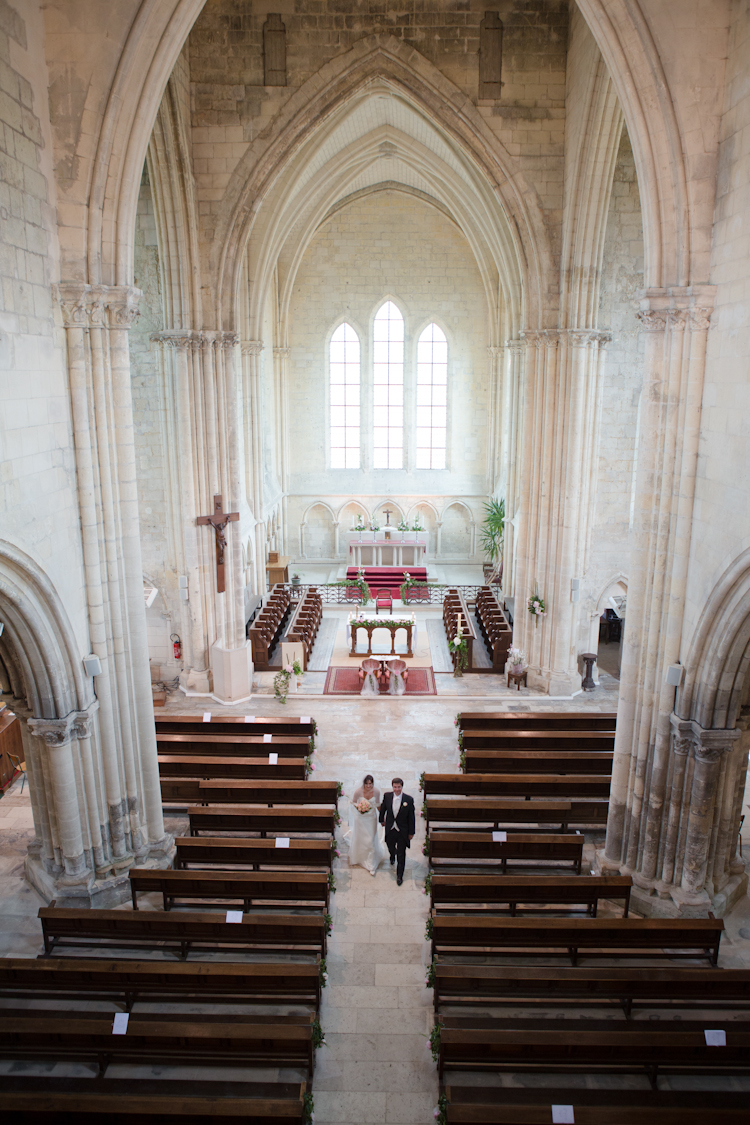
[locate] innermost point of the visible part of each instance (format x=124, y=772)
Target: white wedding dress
x=365, y=835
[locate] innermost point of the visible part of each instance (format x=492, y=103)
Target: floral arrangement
x=460, y=649
x=516, y=658
x=334, y=850
x=435, y=1042
x=337, y=819
x=461, y=755
x=360, y=524
x=329, y=922
x=429, y=980
x=403, y=526
x=359, y=583
x=440, y=1112
x=282, y=678
x=536, y=606
x=363, y=806
x=457, y=720
x=428, y=930
x=426, y=846
x=428, y=884
x=421, y=781
x=323, y=972
x=416, y=526
x=331, y=883
x=309, y=766
x=308, y=1109
x=318, y=1038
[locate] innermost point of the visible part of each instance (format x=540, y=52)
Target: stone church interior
x=397, y=353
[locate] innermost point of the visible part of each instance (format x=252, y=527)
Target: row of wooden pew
x=494, y=627
x=265, y=631
x=487, y=928
x=455, y=612
x=247, y=897
x=305, y=622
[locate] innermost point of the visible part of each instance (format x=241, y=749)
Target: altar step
x=388, y=577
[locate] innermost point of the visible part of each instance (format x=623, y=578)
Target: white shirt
x=396, y=806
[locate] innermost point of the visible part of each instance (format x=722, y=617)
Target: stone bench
x=223, y=851
x=278, y=819
x=182, y=933
x=621, y=988
x=462, y=849
x=488, y=892
x=128, y=982
x=573, y=937
x=252, y=888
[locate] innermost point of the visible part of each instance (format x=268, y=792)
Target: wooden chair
x=395, y=668
x=383, y=600
x=370, y=665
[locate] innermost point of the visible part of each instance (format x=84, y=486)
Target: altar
x=387, y=547
x=393, y=624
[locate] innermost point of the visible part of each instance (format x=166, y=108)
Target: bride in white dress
x=366, y=848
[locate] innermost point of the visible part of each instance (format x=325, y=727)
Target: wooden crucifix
x=388, y=513
x=218, y=521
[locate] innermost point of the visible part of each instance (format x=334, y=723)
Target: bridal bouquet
x=363, y=806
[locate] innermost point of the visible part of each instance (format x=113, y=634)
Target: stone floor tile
x=367, y=1107
x=409, y=974
x=377, y=1048
x=395, y=953
x=400, y=1021
x=410, y=1108
x=349, y=996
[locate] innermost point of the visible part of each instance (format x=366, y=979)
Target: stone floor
x=376, y=1066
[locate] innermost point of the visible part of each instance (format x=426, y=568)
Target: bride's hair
x=368, y=777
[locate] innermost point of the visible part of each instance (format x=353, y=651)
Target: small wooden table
x=278, y=571
x=369, y=626
x=517, y=678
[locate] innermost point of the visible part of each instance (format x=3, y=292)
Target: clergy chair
x=383, y=599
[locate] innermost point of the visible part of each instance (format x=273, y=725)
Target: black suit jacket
x=405, y=820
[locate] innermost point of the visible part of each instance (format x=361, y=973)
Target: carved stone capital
x=544, y=338
x=282, y=353
x=493, y=351
x=706, y=745
x=98, y=306
x=251, y=347
x=56, y=732
x=676, y=308
x=187, y=340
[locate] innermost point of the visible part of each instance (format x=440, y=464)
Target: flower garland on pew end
x=460, y=650
x=282, y=678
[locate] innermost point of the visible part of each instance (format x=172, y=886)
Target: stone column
x=252, y=353
x=562, y=387
x=646, y=795
x=96, y=320
x=510, y=443
x=281, y=372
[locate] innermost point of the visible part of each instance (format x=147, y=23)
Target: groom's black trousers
x=396, y=843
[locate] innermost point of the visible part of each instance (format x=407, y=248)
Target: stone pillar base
x=194, y=682
x=554, y=683
x=98, y=892
x=672, y=902
x=232, y=673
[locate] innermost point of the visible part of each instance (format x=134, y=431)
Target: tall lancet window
x=344, y=393
x=432, y=389
x=388, y=388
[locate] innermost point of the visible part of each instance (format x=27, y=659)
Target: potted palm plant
x=493, y=534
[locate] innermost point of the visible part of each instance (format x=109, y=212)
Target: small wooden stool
x=517, y=678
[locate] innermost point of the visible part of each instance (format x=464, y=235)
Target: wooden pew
x=454, y=604
x=625, y=988
x=128, y=982
x=454, y=851
x=268, y=627
x=224, y=851
x=238, y=745
x=538, y=761
x=193, y=792
x=182, y=933
x=252, y=888
x=529, y=785
x=235, y=724
x=489, y=893
x=277, y=1041
x=495, y=627
x=574, y=937
x=501, y=1105
x=595, y=1046
x=546, y=815
x=37, y=1100
x=542, y=740
x=538, y=720
x=190, y=765
x=280, y=819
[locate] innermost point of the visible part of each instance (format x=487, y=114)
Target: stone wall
x=38, y=491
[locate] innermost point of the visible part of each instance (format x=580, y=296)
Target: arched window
x=344, y=390
x=432, y=389
x=388, y=388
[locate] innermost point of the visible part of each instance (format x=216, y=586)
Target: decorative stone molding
x=676, y=308
x=98, y=306
x=706, y=745
x=282, y=353
x=251, y=347
x=195, y=341
x=56, y=732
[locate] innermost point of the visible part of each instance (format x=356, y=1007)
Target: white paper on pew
x=716, y=1038
x=120, y=1026
x=267, y=737
x=206, y=716
x=563, y=1115
x=234, y=915
x=499, y=837
x=282, y=841
x=249, y=718
x=273, y=759
x=304, y=719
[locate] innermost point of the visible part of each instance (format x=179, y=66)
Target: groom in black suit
x=397, y=814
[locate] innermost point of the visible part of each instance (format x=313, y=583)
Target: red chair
x=383, y=598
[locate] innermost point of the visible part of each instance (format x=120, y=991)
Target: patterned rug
x=346, y=681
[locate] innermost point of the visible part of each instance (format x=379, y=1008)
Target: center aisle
x=376, y=1011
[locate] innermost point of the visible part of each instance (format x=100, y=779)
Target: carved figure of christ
x=218, y=521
